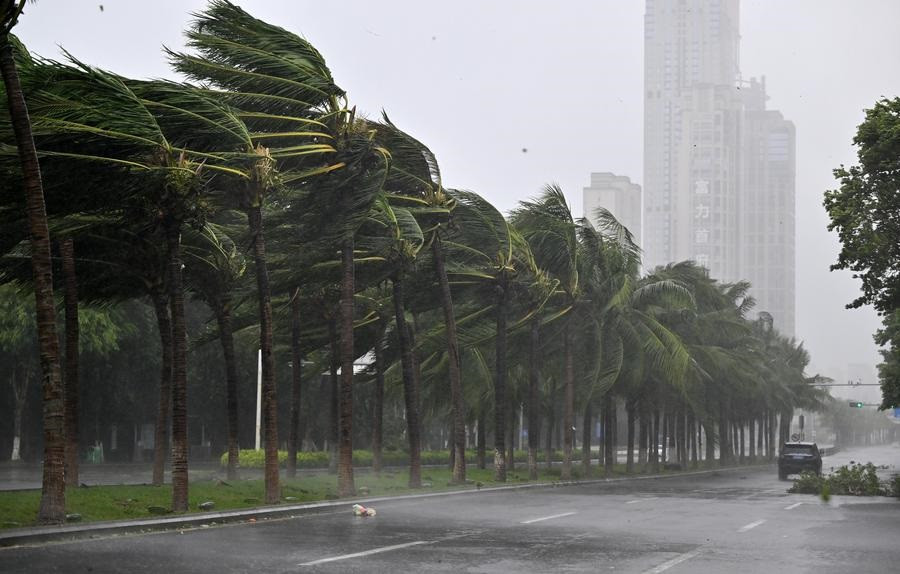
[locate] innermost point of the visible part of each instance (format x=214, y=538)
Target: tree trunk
x=500, y=389
x=294, y=437
x=409, y=391
x=20, y=386
x=569, y=405
x=654, y=445
x=481, y=445
x=457, y=405
x=378, y=400
x=161, y=432
x=751, y=423
x=269, y=401
x=179, y=371
x=53, y=486
x=226, y=338
x=333, y=401
x=511, y=439
x=346, y=486
x=609, y=434
x=642, y=438
x=666, y=438
x=586, y=440
x=548, y=451
x=724, y=431
x=629, y=455
x=71, y=379
x=534, y=415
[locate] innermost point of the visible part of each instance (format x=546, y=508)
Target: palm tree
x=214, y=271
x=288, y=98
x=415, y=175
x=548, y=226
x=53, y=495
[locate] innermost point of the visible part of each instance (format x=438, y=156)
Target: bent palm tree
x=53, y=496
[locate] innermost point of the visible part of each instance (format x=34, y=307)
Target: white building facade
x=718, y=166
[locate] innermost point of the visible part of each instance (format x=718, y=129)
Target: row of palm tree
x=358, y=250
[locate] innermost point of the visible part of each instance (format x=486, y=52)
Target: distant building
x=718, y=166
x=618, y=195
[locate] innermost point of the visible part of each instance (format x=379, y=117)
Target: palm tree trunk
x=378, y=406
x=642, y=438
x=269, y=402
x=161, y=432
x=333, y=401
x=724, y=446
x=534, y=420
x=569, y=404
x=457, y=405
x=481, y=445
x=226, y=339
x=654, y=438
x=296, y=386
x=67, y=252
x=346, y=486
x=500, y=390
x=586, y=425
x=629, y=456
x=548, y=450
x=409, y=391
x=179, y=372
x=511, y=439
x=53, y=487
x=609, y=433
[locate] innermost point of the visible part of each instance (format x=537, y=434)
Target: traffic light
x=856, y=404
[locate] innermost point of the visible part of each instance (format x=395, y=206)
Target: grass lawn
x=19, y=508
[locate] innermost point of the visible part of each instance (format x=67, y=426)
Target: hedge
x=362, y=458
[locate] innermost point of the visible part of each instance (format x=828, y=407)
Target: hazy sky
x=480, y=82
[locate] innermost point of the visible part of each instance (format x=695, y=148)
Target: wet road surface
x=735, y=521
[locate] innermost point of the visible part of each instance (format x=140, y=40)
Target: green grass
x=95, y=503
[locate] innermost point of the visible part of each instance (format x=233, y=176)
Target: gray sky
x=479, y=81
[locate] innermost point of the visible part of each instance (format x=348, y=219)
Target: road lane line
x=673, y=562
x=367, y=552
x=390, y=548
x=641, y=500
x=751, y=525
x=793, y=506
x=533, y=520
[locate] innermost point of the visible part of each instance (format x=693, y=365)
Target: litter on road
x=360, y=510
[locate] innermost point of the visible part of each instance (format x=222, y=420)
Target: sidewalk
x=70, y=532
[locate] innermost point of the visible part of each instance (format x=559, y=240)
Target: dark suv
x=796, y=457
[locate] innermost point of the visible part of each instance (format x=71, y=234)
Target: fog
x=510, y=99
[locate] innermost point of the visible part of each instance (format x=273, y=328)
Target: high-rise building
x=718, y=166
x=618, y=195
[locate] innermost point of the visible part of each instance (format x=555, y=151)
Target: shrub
x=857, y=479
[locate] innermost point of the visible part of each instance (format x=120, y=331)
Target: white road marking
x=793, y=506
x=641, y=500
x=673, y=562
x=533, y=520
x=367, y=552
x=387, y=548
x=751, y=525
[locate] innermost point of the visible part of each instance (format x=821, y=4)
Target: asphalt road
x=736, y=521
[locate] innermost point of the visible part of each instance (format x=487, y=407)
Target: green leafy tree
x=865, y=213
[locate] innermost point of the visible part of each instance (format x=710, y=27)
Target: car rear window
x=798, y=449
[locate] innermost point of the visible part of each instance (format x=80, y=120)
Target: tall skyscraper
x=619, y=196
x=718, y=166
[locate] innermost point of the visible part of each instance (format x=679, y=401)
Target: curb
x=66, y=533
